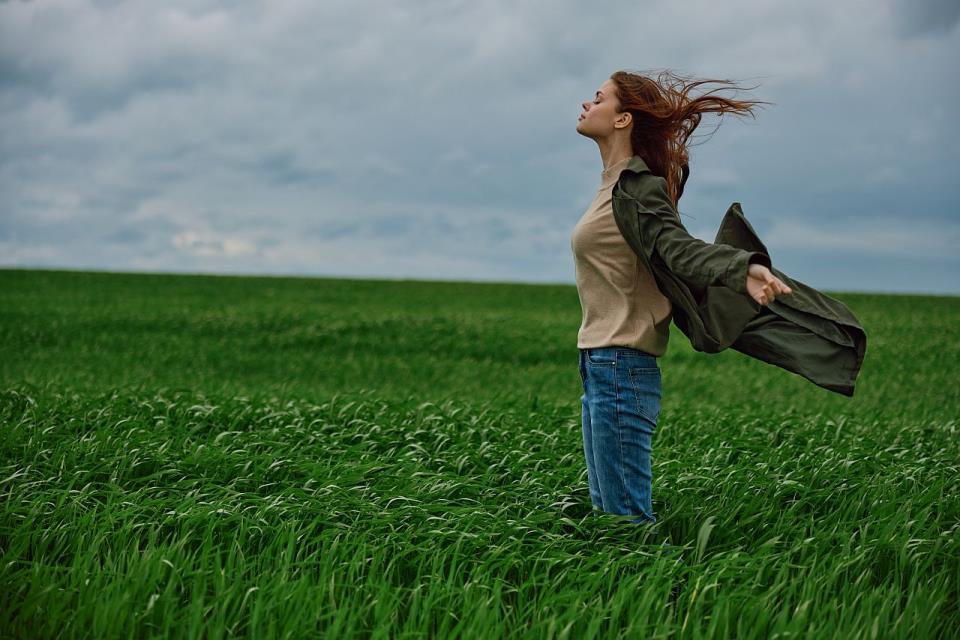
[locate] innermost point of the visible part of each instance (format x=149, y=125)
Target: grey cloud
x=920, y=17
x=125, y=235
x=282, y=167
x=437, y=139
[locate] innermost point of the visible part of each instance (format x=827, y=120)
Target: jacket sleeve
x=700, y=263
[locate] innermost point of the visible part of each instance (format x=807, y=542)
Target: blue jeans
x=621, y=403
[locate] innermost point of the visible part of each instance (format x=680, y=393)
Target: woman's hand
x=763, y=286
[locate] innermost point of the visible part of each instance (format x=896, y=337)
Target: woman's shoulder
x=649, y=189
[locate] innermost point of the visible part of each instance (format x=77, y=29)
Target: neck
x=612, y=152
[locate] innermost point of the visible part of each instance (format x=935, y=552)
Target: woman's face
x=598, y=115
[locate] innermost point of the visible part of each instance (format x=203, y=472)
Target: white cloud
x=207, y=244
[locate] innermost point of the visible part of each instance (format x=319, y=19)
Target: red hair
x=665, y=116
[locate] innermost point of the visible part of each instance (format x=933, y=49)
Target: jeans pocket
x=646, y=385
x=605, y=360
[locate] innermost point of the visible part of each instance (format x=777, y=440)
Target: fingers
x=781, y=287
x=776, y=285
x=772, y=287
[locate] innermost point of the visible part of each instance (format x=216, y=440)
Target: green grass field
x=204, y=456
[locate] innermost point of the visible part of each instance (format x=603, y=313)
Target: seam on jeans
x=635, y=383
x=588, y=386
x=616, y=407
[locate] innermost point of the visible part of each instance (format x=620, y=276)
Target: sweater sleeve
x=700, y=263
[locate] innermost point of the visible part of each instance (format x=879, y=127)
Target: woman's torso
x=619, y=298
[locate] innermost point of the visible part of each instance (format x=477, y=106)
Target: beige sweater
x=621, y=303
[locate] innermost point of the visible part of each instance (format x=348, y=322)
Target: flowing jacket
x=806, y=332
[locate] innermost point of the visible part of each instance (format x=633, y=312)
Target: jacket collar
x=637, y=164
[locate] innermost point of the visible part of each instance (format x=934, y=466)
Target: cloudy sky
x=437, y=140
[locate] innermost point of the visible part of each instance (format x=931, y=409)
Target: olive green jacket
x=806, y=332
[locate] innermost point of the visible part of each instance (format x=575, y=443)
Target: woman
x=626, y=318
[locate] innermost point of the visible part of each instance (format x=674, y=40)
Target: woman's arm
x=701, y=263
